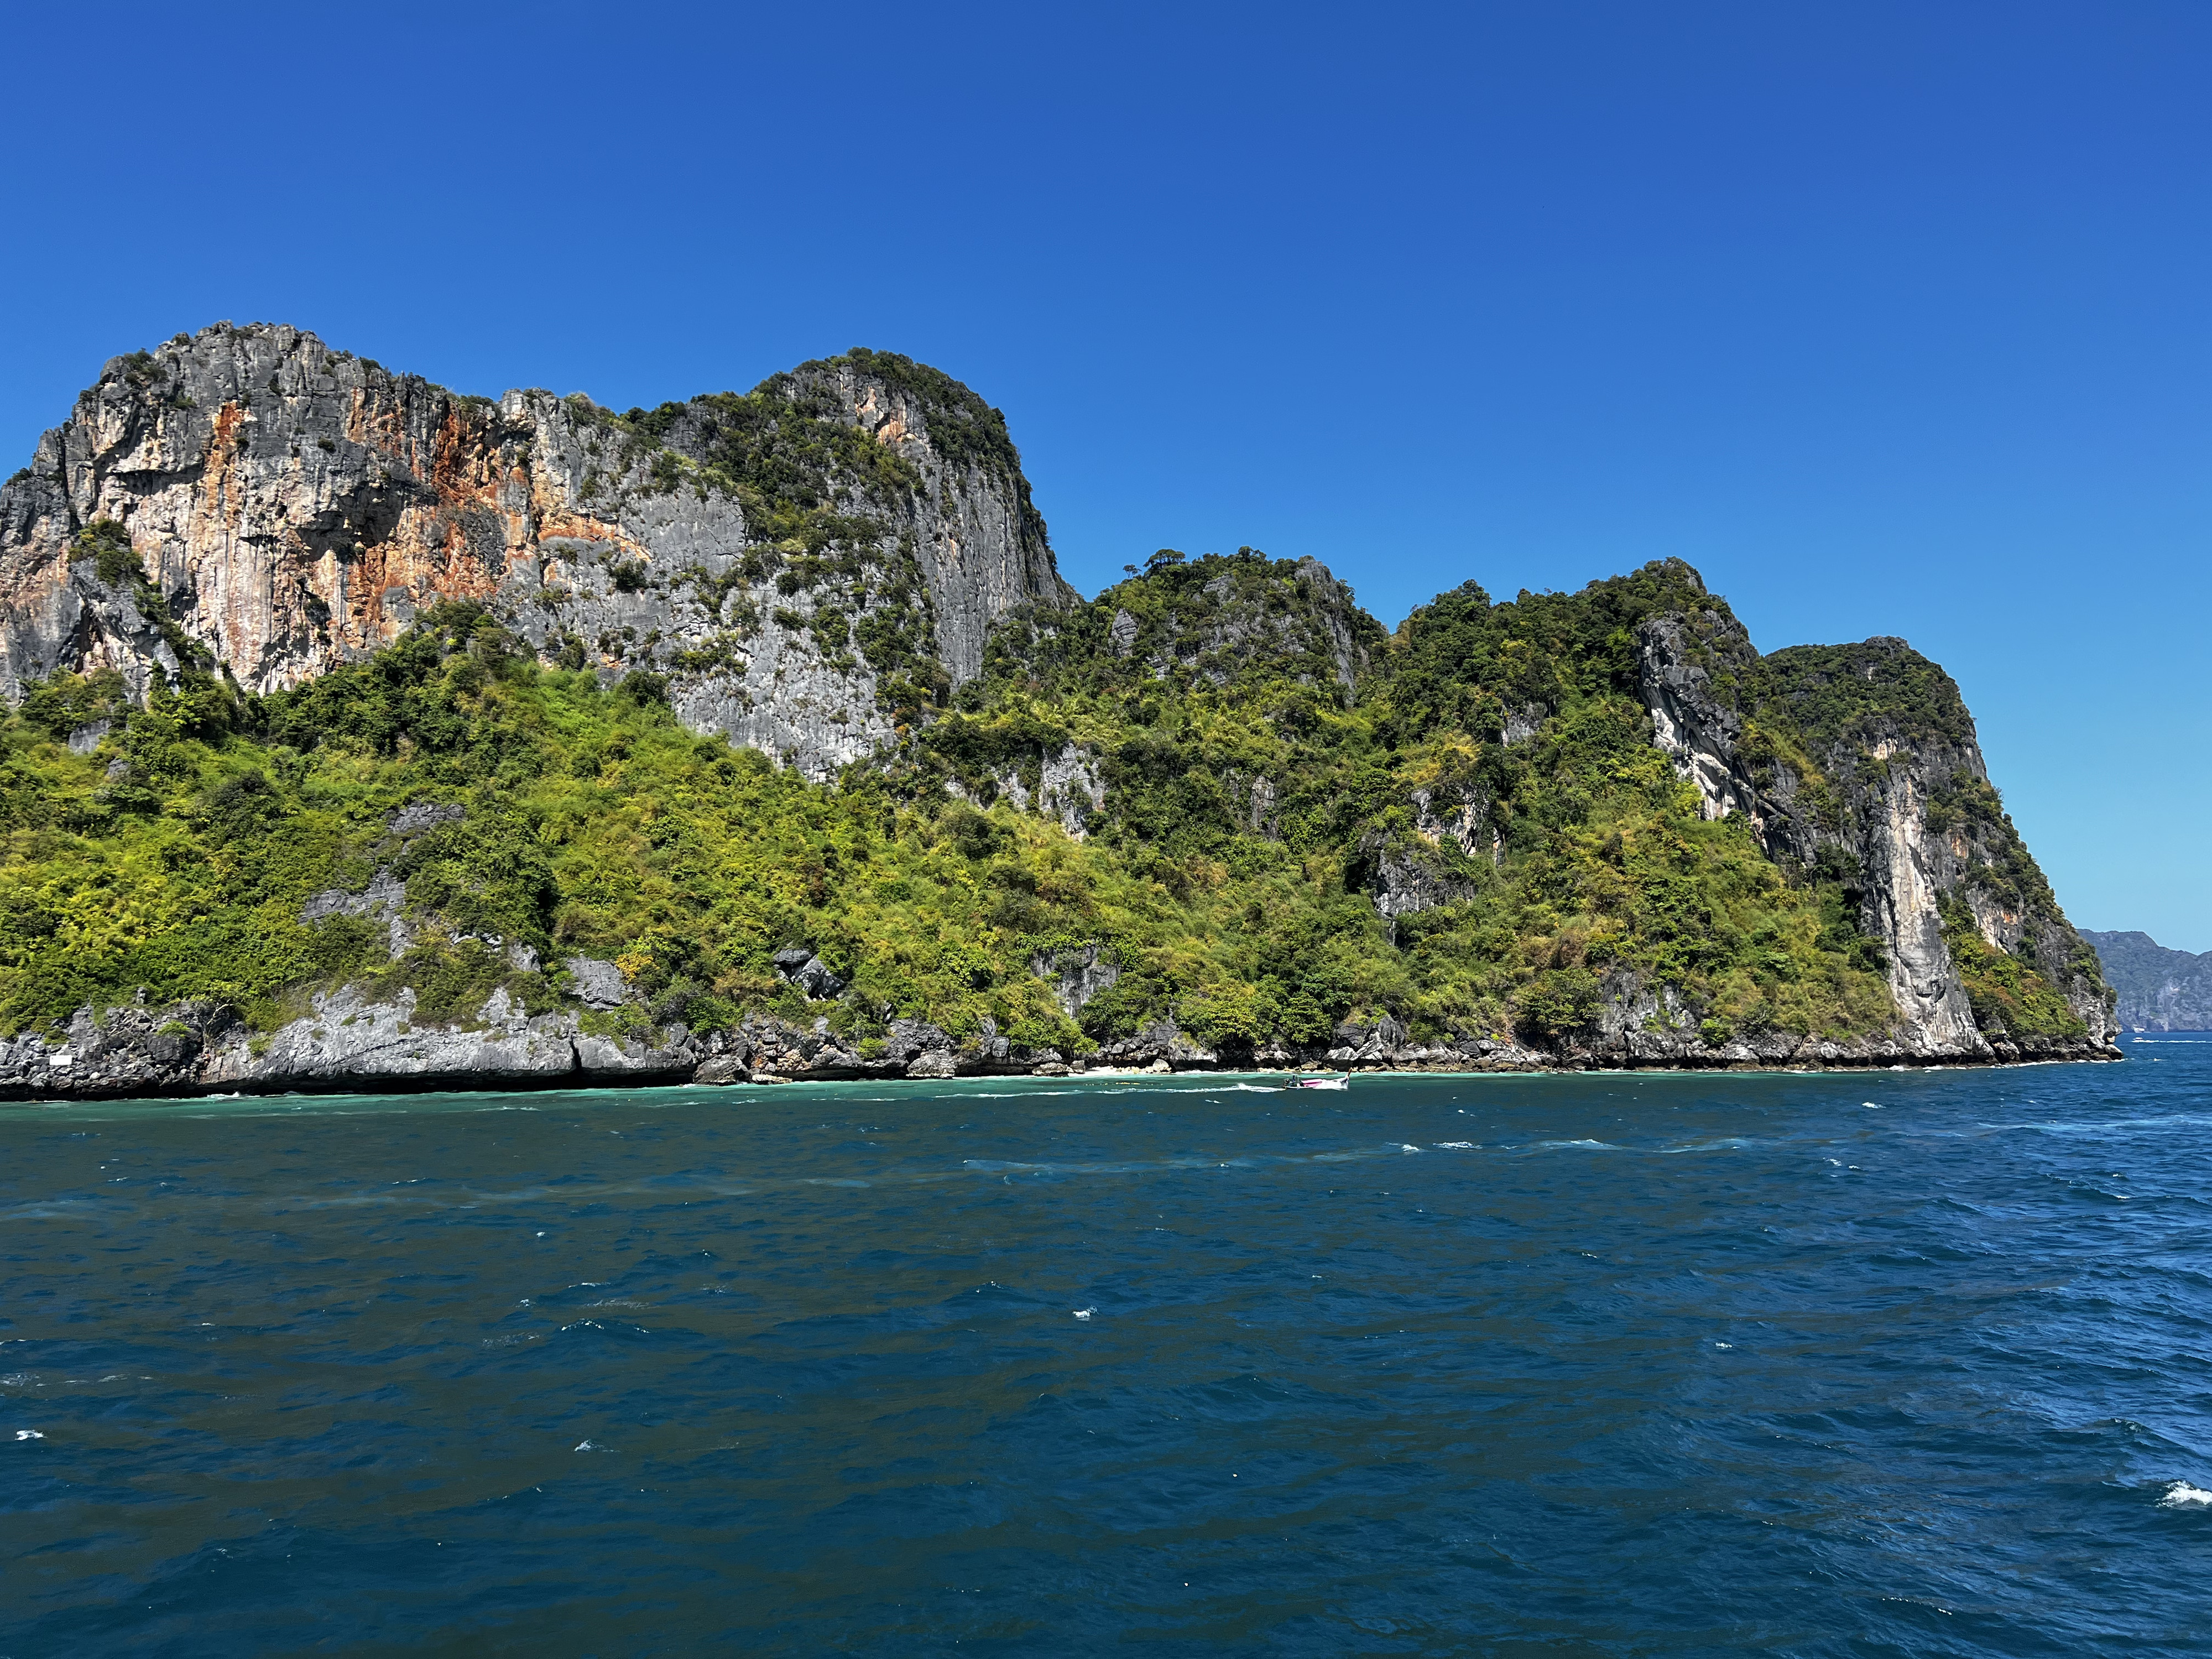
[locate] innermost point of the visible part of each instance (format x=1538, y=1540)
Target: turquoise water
x=1906, y=1364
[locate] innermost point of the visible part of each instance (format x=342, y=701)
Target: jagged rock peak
x=812, y=565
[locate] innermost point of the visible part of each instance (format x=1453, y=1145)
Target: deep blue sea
x=1883, y=1364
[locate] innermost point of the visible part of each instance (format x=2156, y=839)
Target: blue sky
x=1892, y=319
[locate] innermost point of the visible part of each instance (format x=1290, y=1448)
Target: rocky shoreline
x=350, y=1044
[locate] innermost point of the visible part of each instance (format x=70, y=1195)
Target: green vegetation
x=2009, y=998
x=1564, y=857
x=1859, y=694
x=1272, y=763
x=592, y=823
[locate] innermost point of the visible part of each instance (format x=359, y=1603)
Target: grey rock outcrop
x=798, y=964
x=1437, y=863
x=1160, y=1046
x=1409, y=876
x=348, y=1040
x=419, y=817
x=1636, y=1026
x=1359, y=1042
x=1523, y=724
x=383, y=899
x=764, y=1045
x=351, y=1039
x=1686, y=667
x=295, y=508
x=917, y=1049
x=598, y=984
x=131, y=1051
x=1077, y=975
x=1069, y=789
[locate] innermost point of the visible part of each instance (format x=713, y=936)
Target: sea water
x=1858, y=1364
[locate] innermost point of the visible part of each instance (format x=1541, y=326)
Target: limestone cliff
x=810, y=565
x=1862, y=760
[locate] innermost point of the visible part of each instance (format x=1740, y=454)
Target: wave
x=52, y=1209
x=2193, y=1120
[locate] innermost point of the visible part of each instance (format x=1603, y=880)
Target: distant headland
x=2158, y=989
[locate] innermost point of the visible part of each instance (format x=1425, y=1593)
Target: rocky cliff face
x=2160, y=989
x=1861, y=759
x=809, y=565
x=351, y=1042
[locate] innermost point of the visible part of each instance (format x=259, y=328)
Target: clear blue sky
x=1892, y=318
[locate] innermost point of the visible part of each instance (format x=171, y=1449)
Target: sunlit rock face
x=808, y=565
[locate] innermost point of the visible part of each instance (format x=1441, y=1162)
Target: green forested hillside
x=1273, y=765
x=1586, y=850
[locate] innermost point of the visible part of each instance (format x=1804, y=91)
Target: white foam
x=29, y=1434
x=1869, y=1105
x=585, y=1445
x=1254, y=1089
x=2179, y=1495
x=1404, y=1147
x=1455, y=1146
x=1083, y=1313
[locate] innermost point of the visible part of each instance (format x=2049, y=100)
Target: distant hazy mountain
x=2161, y=990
